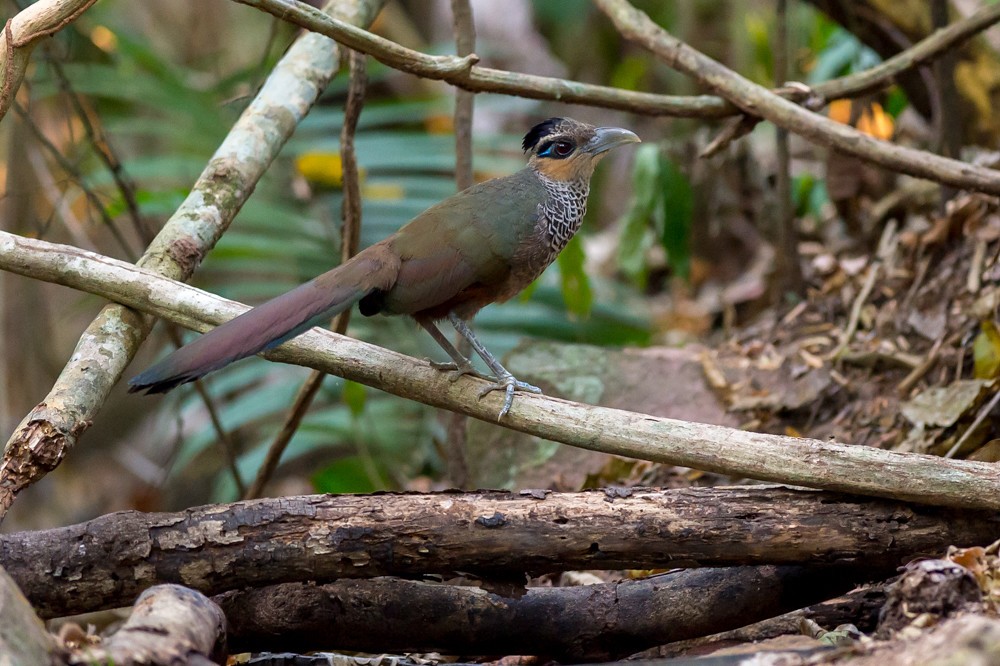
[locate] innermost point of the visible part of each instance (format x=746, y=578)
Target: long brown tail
x=269, y=324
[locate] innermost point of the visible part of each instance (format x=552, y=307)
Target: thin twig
x=756, y=100
x=350, y=238
x=859, y=303
x=102, y=147
x=949, y=139
x=789, y=277
x=464, y=29
x=918, y=372
x=74, y=174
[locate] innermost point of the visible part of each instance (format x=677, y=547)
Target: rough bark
x=169, y=625
x=106, y=562
x=859, y=607
x=23, y=638
x=588, y=622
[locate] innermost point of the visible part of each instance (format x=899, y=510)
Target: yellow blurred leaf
x=104, y=39
x=986, y=351
x=876, y=122
x=441, y=123
x=873, y=120
x=383, y=192
x=323, y=168
x=840, y=110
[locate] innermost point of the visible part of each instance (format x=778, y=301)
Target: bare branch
x=108, y=345
x=463, y=73
x=757, y=100
x=23, y=638
x=797, y=461
x=169, y=625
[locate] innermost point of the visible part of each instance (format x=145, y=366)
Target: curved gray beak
x=606, y=138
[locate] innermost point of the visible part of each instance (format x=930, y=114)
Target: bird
x=482, y=245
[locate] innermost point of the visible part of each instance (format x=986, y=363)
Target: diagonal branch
x=107, y=346
x=797, y=461
x=759, y=101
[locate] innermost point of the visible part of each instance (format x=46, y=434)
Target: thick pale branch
x=107, y=561
x=23, y=638
x=828, y=465
x=759, y=101
x=109, y=343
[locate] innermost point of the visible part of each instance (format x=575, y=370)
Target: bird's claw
x=509, y=384
x=455, y=371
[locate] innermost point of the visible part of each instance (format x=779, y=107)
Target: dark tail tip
x=150, y=383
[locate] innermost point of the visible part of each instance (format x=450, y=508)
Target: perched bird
x=480, y=246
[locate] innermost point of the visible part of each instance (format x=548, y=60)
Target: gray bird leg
x=461, y=365
x=504, y=379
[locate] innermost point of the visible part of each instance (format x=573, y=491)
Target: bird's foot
x=509, y=384
x=455, y=370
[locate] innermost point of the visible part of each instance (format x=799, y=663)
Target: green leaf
x=634, y=240
x=896, y=101
x=575, y=284
x=354, y=396
x=677, y=204
x=629, y=73
x=347, y=475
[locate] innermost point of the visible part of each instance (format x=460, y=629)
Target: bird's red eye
x=563, y=148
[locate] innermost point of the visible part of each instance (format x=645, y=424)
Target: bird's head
x=564, y=149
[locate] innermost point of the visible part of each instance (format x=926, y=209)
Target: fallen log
x=584, y=623
x=108, y=561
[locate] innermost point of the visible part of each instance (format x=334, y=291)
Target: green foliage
x=838, y=53
x=575, y=283
x=895, y=101
x=347, y=475
x=629, y=73
x=354, y=396
x=809, y=196
x=677, y=205
x=662, y=210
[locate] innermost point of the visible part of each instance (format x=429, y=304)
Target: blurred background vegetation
x=674, y=249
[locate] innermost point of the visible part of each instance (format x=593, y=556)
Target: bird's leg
x=460, y=365
x=504, y=379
